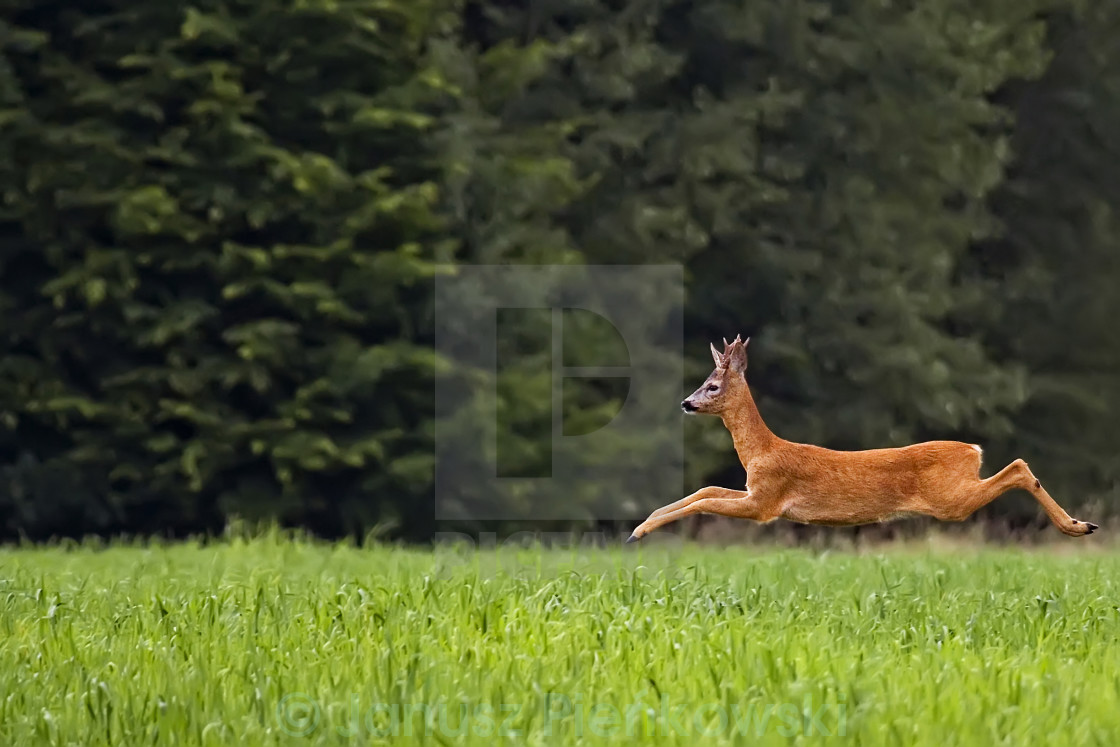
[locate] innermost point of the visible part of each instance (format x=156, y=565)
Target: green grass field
x=275, y=641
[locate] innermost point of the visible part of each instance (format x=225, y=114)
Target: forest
x=223, y=223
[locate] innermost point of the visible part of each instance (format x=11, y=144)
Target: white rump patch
x=978, y=449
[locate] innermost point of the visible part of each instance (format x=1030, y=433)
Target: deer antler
x=737, y=341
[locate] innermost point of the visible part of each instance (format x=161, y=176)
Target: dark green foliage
x=821, y=171
x=1057, y=266
x=221, y=222
x=219, y=227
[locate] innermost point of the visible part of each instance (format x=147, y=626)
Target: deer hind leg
x=1015, y=475
x=711, y=500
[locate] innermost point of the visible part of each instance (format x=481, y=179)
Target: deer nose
x=687, y=406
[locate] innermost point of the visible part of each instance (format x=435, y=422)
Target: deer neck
x=748, y=431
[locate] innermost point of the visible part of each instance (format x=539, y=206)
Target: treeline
x=221, y=223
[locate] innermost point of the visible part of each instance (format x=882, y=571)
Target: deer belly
x=840, y=510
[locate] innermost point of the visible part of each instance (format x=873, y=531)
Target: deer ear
x=737, y=357
x=716, y=356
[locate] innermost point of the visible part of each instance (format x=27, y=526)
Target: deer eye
x=713, y=388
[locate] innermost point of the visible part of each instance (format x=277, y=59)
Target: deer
x=810, y=484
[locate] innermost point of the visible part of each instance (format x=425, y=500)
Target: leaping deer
x=813, y=485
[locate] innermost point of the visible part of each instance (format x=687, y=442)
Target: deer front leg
x=711, y=500
x=687, y=500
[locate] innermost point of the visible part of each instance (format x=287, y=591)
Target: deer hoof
x=632, y=538
x=1081, y=528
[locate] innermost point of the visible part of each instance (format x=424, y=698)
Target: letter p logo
x=557, y=393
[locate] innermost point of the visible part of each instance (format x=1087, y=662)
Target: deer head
x=722, y=388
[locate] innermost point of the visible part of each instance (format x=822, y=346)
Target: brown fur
x=812, y=485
